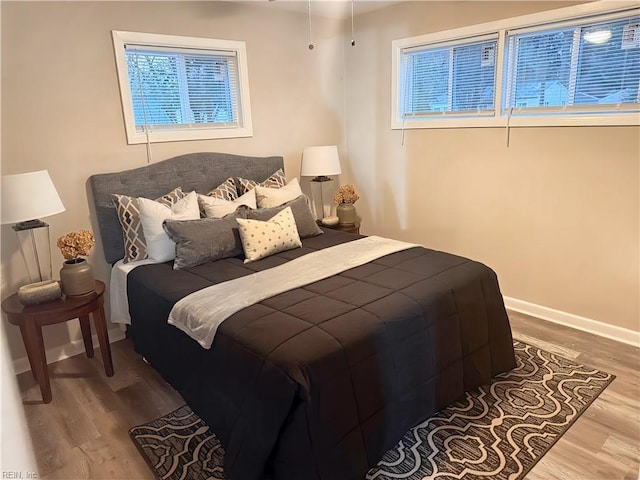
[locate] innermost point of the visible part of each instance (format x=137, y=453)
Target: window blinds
x=169, y=87
x=591, y=66
x=449, y=78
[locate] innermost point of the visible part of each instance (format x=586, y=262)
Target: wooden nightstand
x=32, y=318
x=349, y=228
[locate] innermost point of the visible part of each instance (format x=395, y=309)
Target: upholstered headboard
x=195, y=171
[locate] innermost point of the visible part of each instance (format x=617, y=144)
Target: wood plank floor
x=82, y=433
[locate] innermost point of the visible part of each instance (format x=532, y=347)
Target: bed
x=319, y=381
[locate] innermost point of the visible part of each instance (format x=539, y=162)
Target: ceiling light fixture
x=353, y=40
x=310, y=36
x=597, y=36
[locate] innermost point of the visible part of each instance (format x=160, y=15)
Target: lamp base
x=321, y=178
x=35, y=247
x=29, y=224
x=325, y=210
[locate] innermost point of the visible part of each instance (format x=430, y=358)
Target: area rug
x=497, y=431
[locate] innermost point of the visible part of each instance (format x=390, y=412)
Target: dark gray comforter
x=318, y=382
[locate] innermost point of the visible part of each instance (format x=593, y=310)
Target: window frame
x=450, y=47
x=181, y=132
x=501, y=117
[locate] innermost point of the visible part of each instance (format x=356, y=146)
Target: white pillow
x=217, y=207
x=261, y=239
x=160, y=247
x=274, y=197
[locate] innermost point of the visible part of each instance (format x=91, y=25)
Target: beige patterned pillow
x=225, y=191
x=276, y=180
x=261, y=239
x=128, y=211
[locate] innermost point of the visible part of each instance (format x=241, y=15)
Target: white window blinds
x=448, y=78
x=176, y=88
x=589, y=66
x=195, y=88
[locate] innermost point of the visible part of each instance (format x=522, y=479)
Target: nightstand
x=32, y=318
x=349, y=227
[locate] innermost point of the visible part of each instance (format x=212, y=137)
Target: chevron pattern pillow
x=276, y=180
x=128, y=212
x=225, y=191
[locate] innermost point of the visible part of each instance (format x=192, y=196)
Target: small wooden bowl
x=330, y=221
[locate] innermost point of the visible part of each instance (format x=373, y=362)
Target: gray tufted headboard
x=195, y=171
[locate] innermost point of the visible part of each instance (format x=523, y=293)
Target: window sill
x=623, y=119
x=134, y=138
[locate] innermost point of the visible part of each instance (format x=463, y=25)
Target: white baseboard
x=67, y=350
x=613, y=332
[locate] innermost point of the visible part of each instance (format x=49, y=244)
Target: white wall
x=555, y=213
x=16, y=451
x=61, y=104
x=16, y=454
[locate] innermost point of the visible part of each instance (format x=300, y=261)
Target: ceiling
x=325, y=8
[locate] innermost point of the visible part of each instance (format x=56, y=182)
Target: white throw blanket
x=200, y=314
x=119, y=300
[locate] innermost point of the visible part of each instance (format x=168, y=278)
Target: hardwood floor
x=604, y=443
x=82, y=433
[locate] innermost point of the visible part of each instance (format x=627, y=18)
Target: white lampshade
x=29, y=196
x=320, y=161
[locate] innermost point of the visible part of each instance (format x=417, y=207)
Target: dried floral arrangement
x=346, y=194
x=74, y=244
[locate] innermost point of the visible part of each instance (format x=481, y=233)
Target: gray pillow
x=307, y=226
x=205, y=240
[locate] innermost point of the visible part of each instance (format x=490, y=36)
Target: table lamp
x=26, y=197
x=320, y=162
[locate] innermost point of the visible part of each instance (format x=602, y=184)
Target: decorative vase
x=346, y=213
x=76, y=277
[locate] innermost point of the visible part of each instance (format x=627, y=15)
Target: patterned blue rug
x=497, y=431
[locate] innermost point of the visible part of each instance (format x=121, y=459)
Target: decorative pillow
x=218, y=208
x=160, y=247
x=272, y=197
x=276, y=180
x=261, y=239
x=204, y=240
x=226, y=190
x=129, y=216
x=305, y=222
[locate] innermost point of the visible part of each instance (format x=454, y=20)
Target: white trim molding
x=613, y=332
x=61, y=352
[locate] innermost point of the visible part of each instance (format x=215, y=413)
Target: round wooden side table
x=348, y=227
x=32, y=318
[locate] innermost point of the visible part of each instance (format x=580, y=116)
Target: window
x=593, y=67
x=182, y=88
x=450, y=78
x=572, y=66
